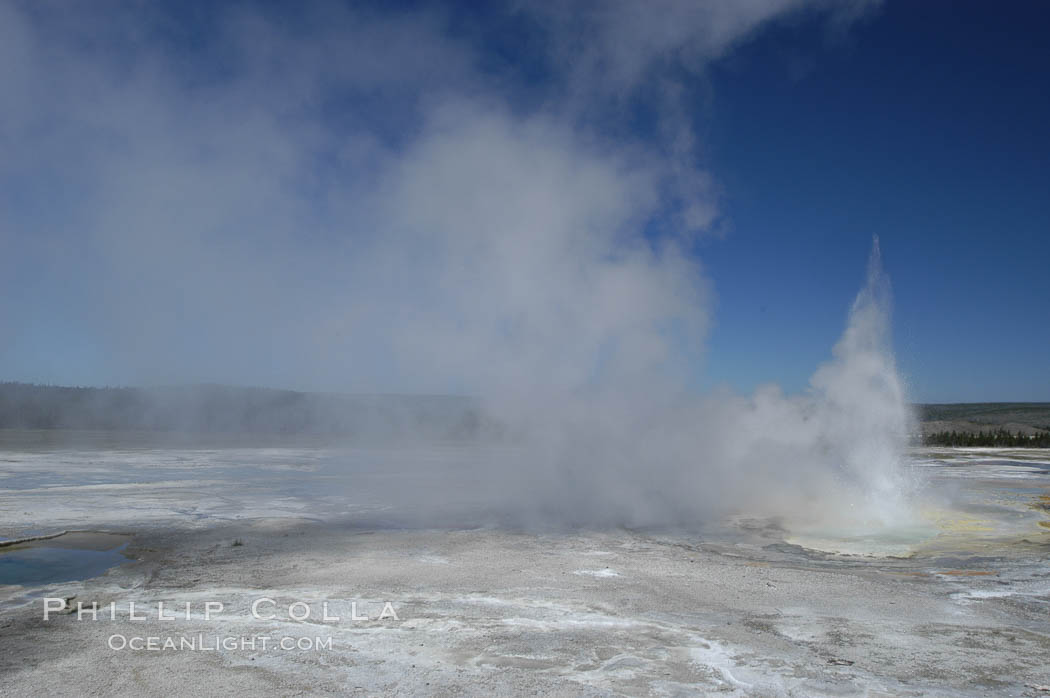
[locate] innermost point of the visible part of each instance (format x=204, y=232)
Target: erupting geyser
x=861, y=425
x=861, y=399
x=633, y=449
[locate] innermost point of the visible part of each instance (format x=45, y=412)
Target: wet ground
x=960, y=604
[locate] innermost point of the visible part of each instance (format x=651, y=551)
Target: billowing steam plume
x=376, y=201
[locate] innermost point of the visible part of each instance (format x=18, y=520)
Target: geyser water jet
x=863, y=427
x=861, y=400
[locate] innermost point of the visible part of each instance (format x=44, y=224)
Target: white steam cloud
x=365, y=201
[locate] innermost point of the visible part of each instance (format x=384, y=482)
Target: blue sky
x=926, y=125
x=431, y=197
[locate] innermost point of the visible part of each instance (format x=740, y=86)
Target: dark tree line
x=997, y=437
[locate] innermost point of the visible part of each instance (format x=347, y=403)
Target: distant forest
x=1004, y=424
x=998, y=437
x=227, y=410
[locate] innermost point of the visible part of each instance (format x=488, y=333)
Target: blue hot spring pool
x=69, y=557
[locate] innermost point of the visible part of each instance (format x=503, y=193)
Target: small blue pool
x=71, y=556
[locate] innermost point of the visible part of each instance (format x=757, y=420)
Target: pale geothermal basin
x=736, y=607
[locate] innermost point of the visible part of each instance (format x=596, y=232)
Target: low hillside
x=216, y=409
x=986, y=424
